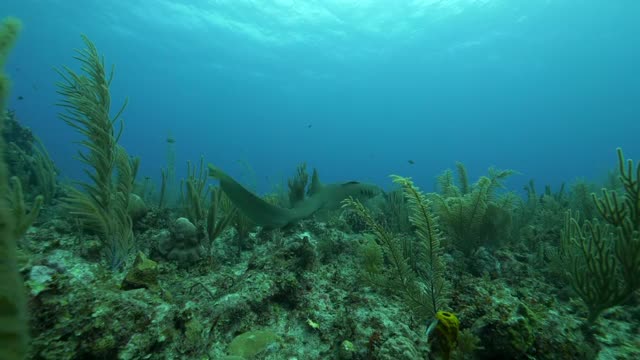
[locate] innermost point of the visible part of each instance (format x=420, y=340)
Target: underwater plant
x=102, y=203
x=163, y=188
x=194, y=192
x=580, y=198
x=605, y=258
x=45, y=171
x=471, y=214
x=28, y=158
x=169, y=174
x=220, y=214
x=14, y=334
x=396, y=212
x=423, y=287
x=298, y=184
x=23, y=218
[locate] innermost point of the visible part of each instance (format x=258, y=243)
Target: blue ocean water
x=357, y=89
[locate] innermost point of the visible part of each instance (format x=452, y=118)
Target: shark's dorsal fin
x=315, y=185
x=351, y=183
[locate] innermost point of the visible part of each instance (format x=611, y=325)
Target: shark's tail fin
x=215, y=173
x=259, y=211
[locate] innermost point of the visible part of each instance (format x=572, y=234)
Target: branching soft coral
x=605, y=258
x=469, y=212
x=102, y=203
x=421, y=284
x=14, y=332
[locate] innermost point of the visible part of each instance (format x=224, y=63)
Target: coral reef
x=472, y=271
x=311, y=303
x=307, y=292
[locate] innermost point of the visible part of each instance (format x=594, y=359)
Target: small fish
x=411, y=162
x=20, y=97
x=309, y=126
x=171, y=140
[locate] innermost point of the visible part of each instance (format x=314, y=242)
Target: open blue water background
x=355, y=88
